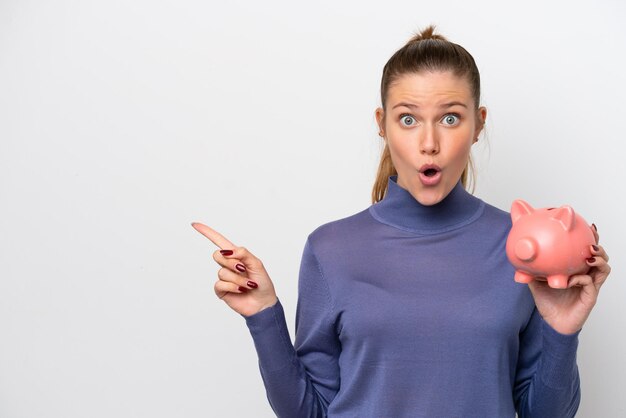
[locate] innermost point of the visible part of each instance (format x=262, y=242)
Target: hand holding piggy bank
x=551, y=243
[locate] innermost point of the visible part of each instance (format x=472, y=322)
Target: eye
x=451, y=118
x=407, y=117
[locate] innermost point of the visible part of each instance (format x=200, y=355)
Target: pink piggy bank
x=552, y=243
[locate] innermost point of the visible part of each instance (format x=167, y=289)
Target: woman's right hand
x=246, y=292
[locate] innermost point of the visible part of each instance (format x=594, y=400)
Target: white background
x=123, y=121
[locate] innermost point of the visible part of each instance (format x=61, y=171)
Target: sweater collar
x=401, y=210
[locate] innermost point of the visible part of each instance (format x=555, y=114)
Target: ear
x=565, y=215
x=380, y=119
x=520, y=208
x=481, y=117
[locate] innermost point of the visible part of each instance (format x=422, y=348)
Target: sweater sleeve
x=547, y=382
x=301, y=379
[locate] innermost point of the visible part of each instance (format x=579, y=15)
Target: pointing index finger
x=215, y=237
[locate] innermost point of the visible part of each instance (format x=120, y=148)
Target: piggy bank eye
x=551, y=208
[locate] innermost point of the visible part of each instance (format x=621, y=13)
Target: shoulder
x=496, y=217
x=497, y=214
x=340, y=232
x=492, y=226
x=338, y=228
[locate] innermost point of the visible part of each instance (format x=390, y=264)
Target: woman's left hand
x=566, y=310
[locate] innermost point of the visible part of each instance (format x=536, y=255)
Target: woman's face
x=430, y=119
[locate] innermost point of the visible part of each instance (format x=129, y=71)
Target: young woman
x=409, y=308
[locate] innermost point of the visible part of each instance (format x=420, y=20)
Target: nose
x=429, y=143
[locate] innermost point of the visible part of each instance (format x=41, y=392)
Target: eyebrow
x=443, y=105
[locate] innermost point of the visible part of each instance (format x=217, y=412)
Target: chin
x=429, y=201
x=430, y=197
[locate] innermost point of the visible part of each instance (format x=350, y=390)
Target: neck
x=401, y=210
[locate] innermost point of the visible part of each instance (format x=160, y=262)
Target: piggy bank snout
x=526, y=249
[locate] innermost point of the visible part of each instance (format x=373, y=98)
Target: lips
x=429, y=170
x=430, y=174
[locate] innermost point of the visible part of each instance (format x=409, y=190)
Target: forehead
x=425, y=88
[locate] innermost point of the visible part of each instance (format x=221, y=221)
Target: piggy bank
x=550, y=243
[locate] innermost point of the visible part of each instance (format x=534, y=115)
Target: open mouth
x=430, y=172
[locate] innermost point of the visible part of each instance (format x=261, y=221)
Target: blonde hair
x=425, y=51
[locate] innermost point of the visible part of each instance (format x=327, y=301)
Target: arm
x=547, y=380
x=547, y=383
x=300, y=381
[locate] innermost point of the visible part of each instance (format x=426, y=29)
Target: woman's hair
x=425, y=51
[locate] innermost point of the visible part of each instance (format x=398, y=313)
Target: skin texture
x=431, y=133
x=426, y=134
x=566, y=310
x=230, y=281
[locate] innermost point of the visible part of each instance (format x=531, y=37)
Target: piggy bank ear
x=565, y=215
x=520, y=208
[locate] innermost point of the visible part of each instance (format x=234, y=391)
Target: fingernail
x=241, y=267
x=591, y=259
x=226, y=252
x=595, y=227
x=595, y=247
x=242, y=289
x=252, y=284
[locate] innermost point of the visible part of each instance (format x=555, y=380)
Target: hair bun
x=427, y=33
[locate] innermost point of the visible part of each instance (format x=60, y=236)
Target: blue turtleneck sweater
x=407, y=310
